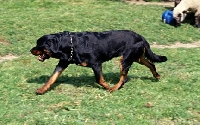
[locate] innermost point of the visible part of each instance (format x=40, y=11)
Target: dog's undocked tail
x=152, y=56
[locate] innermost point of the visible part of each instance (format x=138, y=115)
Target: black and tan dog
x=91, y=49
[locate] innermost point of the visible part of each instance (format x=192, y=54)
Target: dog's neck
x=72, y=49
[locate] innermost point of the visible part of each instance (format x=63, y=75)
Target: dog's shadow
x=85, y=80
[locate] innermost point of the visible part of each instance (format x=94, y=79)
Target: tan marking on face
x=47, y=52
x=36, y=52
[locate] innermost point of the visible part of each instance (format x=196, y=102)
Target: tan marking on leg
x=123, y=76
x=103, y=83
x=51, y=80
x=145, y=62
x=83, y=64
x=120, y=63
x=139, y=60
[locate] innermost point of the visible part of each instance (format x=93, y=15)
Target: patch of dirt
x=7, y=57
x=142, y=2
x=3, y=40
x=177, y=45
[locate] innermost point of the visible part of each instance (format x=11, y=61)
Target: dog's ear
x=53, y=45
x=184, y=11
x=55, y=41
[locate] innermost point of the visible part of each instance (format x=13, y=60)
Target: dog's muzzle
x=41, y=55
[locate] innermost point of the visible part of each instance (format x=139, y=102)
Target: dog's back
x=107, y=44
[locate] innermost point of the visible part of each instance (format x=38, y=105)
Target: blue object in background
x=167, y=17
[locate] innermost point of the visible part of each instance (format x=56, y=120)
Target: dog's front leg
x=99, y=76
x=197, y=21
x=57, y=72
x=123, y=75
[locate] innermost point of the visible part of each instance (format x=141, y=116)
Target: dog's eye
x=46, y=51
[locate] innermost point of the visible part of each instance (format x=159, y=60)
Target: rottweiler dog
x=91, y=49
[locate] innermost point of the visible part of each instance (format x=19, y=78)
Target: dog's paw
x=114, y=88
x=111, y=90
x=107, y=87
x=40, y=91
x=157, y=76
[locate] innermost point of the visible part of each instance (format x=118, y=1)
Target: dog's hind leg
x=123, y=76
x=148, y=64
x=97, y=69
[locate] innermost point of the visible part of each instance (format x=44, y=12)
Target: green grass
x=22, y=22
x=76, y=98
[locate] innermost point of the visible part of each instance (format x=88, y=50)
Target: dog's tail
x=152, y=56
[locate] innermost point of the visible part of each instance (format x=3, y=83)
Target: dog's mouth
x=42, y=57
x=42, y=54
x=178, y=20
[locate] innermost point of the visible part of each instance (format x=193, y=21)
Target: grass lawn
x=76, y=98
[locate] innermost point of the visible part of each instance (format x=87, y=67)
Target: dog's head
x=51, y=46
x=179, y=16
